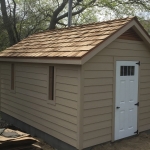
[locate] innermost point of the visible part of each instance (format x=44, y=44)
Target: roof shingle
x=68, y=42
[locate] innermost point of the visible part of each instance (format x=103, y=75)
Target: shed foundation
x=54, y=142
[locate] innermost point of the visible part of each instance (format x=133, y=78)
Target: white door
x=126, y=99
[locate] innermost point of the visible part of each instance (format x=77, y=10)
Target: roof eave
x=73, y=61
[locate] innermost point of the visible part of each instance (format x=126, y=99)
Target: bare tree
x=8, y=24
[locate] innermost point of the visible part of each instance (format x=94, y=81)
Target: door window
x=127, y=70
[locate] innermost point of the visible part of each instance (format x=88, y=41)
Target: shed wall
x=99, y=83
x=29, y=101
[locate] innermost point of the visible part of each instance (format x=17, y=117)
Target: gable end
x=130, y=35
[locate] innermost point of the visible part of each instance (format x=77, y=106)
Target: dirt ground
x=43, y=145
x=139, y=142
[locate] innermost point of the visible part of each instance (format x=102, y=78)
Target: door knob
x=117, y=107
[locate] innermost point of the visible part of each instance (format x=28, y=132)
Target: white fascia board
x=95, y=51
x=46, y=61
x=141, y=33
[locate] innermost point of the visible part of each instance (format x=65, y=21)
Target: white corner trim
x=133, y=23
x=46, y=61
x=142, y=33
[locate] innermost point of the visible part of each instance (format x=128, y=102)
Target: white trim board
x=45, y=61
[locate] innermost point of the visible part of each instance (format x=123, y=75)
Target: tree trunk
x=7, y=23
x=53, y=23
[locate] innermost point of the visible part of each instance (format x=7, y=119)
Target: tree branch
x=77, y=12
x=7, y=23
x=9, y=8
x=55, y=14
x=73, y=14
x=14, y=21
x=61, y=24
x=20, y=26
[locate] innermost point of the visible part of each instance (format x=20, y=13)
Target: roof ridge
x=82, y=25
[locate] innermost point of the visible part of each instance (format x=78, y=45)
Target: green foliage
x=145, y=23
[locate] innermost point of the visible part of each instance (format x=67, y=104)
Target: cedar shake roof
x=74, y=42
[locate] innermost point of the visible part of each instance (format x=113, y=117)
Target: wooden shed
x=81, y=86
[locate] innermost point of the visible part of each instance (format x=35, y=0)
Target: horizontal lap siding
x=144, y=107
x=98, y=87
x=29, y=101
x=98, y=90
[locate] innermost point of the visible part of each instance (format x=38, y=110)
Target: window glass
x=121, y=70
x=12, y=77
x=51, y=82
x=132, y=70
x=127, y=70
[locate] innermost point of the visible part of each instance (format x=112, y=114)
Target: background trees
x=21, y=18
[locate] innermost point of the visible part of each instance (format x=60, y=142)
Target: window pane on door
x=121, y=70
x=132, y=70
x=127, y=70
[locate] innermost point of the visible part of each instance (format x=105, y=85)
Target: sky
x=146, y=15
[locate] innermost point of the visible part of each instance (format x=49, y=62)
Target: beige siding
x=99, y=77
x=29, y=102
